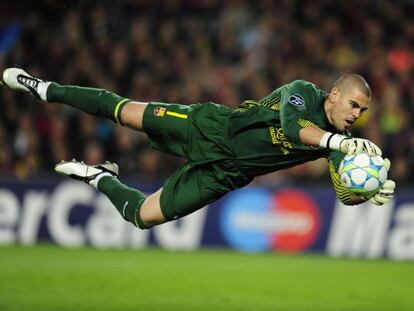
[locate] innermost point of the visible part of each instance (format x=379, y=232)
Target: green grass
x=52, y=278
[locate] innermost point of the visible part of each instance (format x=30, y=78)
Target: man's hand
x=352, y=146
x=349, y=146
x=386, y=192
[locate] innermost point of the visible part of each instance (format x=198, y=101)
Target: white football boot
x=87, y=173
x=19, y=80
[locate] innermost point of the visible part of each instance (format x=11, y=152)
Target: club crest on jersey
x=297, y=100
x=160, y=111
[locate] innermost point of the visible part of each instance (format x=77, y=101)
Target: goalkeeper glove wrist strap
x=332, y=141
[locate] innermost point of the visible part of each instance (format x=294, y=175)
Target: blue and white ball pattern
x=362, y=174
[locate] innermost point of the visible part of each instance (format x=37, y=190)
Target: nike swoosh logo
x=123, y=209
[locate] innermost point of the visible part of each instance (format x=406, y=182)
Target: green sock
x=98, y=102
x=128, y=201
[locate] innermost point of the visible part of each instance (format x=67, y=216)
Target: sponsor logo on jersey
x=160, y=111
x=278, y=138
x=297, y=100
x=256, y=220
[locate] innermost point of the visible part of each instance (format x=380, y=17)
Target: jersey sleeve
x=334, y=160
x=297, y=102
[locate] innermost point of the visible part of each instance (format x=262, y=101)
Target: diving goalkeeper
x=225, y=148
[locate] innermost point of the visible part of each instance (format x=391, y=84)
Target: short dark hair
x=353, y=80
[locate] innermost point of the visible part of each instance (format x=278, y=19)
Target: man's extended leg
x=98, y=102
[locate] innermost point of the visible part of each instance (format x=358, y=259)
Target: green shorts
x=198, y=133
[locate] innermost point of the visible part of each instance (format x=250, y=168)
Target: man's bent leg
x=144, y=212
x=128, y=201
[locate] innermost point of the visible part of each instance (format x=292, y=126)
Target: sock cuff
x=42, y=90
x=95, y=182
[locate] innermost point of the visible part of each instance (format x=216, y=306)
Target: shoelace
x=28, y=81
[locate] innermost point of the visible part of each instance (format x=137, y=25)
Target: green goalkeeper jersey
x=226, y=148
x=264, y=135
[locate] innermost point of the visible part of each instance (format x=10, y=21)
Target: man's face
x=349, y=104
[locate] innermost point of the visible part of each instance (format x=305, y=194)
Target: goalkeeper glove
x=350, y=146
x=386, y=192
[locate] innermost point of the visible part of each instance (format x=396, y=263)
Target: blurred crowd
x=196, y=51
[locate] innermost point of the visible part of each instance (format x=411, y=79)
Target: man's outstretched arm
x=317, y=137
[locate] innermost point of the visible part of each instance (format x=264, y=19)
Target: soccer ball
x=362, y=174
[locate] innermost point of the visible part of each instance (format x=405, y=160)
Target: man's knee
x=150, y=212
x=132, y=114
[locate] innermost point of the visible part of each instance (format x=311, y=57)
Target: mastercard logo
x=255, y=220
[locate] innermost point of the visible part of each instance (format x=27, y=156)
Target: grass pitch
x=52, y=278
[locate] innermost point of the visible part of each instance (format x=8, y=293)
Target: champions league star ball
x=362, y=174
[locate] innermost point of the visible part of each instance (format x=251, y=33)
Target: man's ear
x=334, y=94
